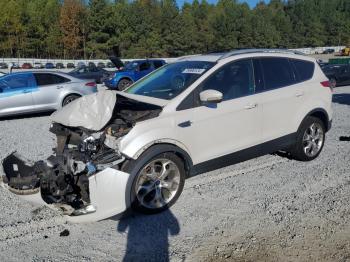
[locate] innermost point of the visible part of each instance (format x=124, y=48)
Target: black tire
x=299, y=150
x=123, y=84
x=135, y=167
x=69, y=99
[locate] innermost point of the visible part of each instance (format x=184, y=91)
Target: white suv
x=197, y=114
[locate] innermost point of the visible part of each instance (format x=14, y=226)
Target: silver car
x=30, y=92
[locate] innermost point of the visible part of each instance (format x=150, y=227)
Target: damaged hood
x=91, y=112
x=94, y=111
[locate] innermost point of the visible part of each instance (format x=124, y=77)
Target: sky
x=252, y=3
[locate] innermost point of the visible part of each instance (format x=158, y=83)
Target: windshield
x=170, y=80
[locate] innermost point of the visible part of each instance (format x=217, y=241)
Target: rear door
x=281, y=95
x=16, y=93
x=50, y=86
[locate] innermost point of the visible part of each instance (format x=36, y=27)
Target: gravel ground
x=267, y=209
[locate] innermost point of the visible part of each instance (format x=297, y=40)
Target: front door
x=16, y=93
x=211, y=131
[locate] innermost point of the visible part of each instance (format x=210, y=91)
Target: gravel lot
x=267, y=209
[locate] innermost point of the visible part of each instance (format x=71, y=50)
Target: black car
x=59, y=66
x=3, y=66
x=70, y=65
x=91, y=72
x=101, y=65
x=337, y=74
x=328, y=51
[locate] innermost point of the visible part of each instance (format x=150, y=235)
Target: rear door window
x=277, y=72
x=49, y=79
x=304, y=69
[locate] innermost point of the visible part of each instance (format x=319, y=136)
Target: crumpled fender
x=91, y=111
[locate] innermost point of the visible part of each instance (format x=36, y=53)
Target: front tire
x=157, y=184
x=310, y=139
x=124, y=84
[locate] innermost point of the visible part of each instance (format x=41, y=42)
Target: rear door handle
x=299, y=94
x=59, y=87
x=185, y=124
x=26, y=91
x=251, y=106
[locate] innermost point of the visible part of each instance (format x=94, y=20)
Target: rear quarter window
x=304, y=69
x=277, y=72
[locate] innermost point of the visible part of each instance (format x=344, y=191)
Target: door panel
x=280, y=97
x=50, y=87
x=214, y=130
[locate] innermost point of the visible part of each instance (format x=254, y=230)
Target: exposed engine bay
x=63, y=179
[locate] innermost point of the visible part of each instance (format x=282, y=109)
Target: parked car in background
x=328, y=51
x=28, y=92
x=110, y=65
x=101, y=65
x=337, y=74
x=27, y=66
x=15, y=66
x=81, y=64
x=49, y=65
x=91, y=72
x=70, y=65
x=91, y=64
x=59, y=65
x=38, y=65
x=132, y=72
x=3, y=65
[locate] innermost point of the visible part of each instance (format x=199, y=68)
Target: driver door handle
x=59, y=87
x=299, y=94
x=251, y=106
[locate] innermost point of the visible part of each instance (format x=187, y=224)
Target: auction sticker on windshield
x=198, y=71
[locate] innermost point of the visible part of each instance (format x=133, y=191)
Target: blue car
x=49, y=66
x=132, y=72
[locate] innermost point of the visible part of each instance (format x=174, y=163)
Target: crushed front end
x=83, y=176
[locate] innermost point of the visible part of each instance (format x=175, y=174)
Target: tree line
x=159, y=28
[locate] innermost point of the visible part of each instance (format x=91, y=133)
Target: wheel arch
x=69, y=94
x=321, y=114
x=165, y=147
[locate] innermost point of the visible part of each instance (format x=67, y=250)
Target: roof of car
x=214, y=57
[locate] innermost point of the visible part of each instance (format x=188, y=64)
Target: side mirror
x=210, y=96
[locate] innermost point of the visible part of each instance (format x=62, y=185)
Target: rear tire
x=123, y=84
x=69, y=99
x=310, y=139
x=157, y=184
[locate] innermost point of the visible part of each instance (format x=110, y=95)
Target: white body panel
x=278, y=113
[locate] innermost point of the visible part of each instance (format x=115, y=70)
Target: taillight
x=326, y=83
x=91, y=84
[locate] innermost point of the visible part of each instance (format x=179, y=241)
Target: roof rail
x=249, y=51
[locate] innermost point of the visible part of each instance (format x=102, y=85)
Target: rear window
x=277, y=72
x=49, y=79
x=304, y=69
